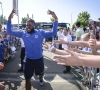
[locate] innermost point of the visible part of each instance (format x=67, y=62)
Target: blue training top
x=33, y=41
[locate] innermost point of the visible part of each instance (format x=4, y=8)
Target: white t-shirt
x=60, y=35
x=79, y=32
x=22, y=43
x=66, y=38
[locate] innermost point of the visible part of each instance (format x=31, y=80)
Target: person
x=5, y=45
x=79, y=31
x=22, y=54
x=33, y=40
x=60, y=36
x=1, y=65
x=73, y=59
x=2, y=87
x=66, y=37
x=0, y=29
x=1, y=49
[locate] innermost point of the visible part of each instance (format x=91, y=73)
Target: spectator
x=79, y=31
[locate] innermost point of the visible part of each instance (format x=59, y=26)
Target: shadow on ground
x=20, y=85
x=51, y=68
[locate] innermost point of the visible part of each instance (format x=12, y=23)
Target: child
x=1, y=49
x=5, y=45
x=2, y=87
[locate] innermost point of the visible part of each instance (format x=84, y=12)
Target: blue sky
x=63, y=9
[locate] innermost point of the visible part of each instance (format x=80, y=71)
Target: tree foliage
x=24, y=19
x=3, y=19
x=99, y=19
x=83, y=17
x=52, y=19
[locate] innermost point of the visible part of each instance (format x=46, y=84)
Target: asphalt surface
x=54, y=77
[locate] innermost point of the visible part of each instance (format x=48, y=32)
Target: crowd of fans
x=8, y=46
x=74, y=40
x=78, y=41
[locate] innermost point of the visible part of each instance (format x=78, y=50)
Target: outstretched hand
x=92, y=42
x=60, y=41
x=11, y=14
x=48, y=47
x=70, y=60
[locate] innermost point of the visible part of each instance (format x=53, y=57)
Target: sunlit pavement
x=54, y=77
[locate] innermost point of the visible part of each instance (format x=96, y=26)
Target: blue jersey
x=1, y=47
x=33, y=41
x=5, y=42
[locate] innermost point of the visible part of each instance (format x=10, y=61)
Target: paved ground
x=54, y=78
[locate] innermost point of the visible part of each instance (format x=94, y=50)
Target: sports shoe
x=41, y=82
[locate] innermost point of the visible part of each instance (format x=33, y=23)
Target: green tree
x=83, y=17
x=52, y=19
x=24, y=19
x=99, y=19
x=3, y=19
x=73, y=26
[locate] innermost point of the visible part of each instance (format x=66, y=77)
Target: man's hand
x=53, y=15
x=11, y=15
x=92, y=42
x=70, y=60
x=49, y=47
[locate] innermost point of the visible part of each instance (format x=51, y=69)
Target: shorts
x=33, y=66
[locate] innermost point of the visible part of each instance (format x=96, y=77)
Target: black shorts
x=33, y=66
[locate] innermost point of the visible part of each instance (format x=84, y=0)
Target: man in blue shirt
x=33, y=46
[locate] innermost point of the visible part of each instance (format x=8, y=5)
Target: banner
x=15, y=6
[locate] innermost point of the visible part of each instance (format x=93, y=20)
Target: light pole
x=71, y=19
x=32, y=16
x=18, y=14
x=2, y=13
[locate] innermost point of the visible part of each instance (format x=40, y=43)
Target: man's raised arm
x=9, y=27
x=47, y=34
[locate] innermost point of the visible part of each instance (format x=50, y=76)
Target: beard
x=31, y=31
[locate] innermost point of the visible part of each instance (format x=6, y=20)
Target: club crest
x=36, y=36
